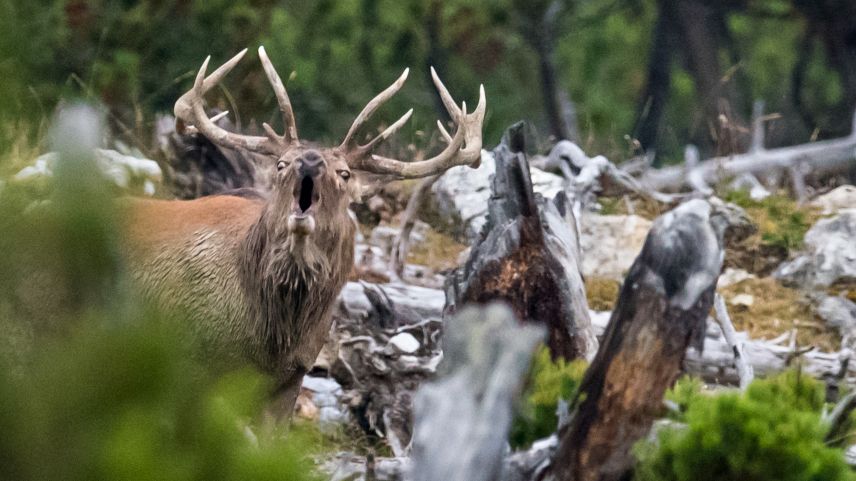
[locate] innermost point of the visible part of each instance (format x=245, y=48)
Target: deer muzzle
x=306, y=197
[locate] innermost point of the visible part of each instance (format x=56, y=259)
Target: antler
x=189, y=111
x=350, y=143
x=288, y=121
x=464, y=147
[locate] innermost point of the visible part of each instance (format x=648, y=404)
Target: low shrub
x=773, y=431
x=548, y=382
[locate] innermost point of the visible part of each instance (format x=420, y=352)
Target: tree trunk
x=661, y=311
x=834, y=22
x=437, y=56
x=701, y=25
x=543, y=39
x=659, y=81
x=528, y=256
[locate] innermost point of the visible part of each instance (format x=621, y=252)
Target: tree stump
x=662, y=309
x=461, y=419
x=528, y=257
x=196, y=167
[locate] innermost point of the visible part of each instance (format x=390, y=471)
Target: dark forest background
x=619, y=76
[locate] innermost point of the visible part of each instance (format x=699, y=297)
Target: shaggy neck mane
x=282, y=276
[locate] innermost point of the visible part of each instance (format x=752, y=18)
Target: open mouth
x=305, y=196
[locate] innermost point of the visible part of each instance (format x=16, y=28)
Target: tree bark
x=528, y=256
x=543, y=40
x=659, y=78
x=662, y=310
x=701, y=26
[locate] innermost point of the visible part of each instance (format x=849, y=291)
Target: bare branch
x=744, y=369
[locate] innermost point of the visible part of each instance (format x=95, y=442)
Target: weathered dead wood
x=196, y=167
x=744, y=369
x=462, y=418
x=662, y=309
x=530, y=464
x=588, y=175
x=528, y=257
x=349, y=467
x=384, y=342
x=716, y=363
x=821, y=158
x=838, y=419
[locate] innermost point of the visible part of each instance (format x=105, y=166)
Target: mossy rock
x=782, y=225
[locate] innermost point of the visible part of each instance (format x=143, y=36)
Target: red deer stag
x=258, y=275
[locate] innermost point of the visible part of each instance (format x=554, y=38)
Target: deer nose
x=311, y=163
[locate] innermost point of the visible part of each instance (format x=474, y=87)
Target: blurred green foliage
x=773, y=431
x=137, y=57
x=548, y=382
x=96, y=385
x=686, y=390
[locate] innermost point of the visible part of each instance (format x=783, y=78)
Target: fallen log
x=418, y=310
x=662, y=309
x=587, y=175
x=820, y=158
x=462, y=418
x=385, y=341
x=716, y=363
x=528, y=257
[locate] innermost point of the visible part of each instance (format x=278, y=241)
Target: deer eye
x=281, y=165
x=345, y=174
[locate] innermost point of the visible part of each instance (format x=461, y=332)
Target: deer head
x=311, y=184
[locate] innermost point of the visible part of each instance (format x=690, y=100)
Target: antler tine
x=190, y=111
x=387, y=133
x=282, y=99
x=445, y=96
x=474, y=140
x=370, y=108
x=464, y=147
x=183, y=106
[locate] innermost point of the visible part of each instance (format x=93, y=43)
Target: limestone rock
x=461, y=194
x=404, y=343
x=122, y=170
x=326, y=398
x=838, y=199
x=840, y=313
x=745, y=300
x=610, y=243
x=829, y=254
x=383, y=235
x=731, y=276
